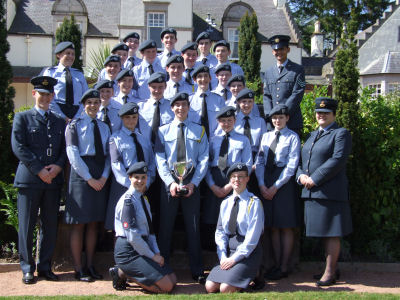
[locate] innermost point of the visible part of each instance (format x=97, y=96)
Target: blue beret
x=147, y=45
x=280, y=109
x=201, y=69
x=325, y=104
x=134, y=35
x=223, y=67
x=245, y=94
x=104, y=84
x=120, y=46
x=90, y=93
x=203, y=36
x=124, y=73
x=130, y=108
x=236, y=167
x=139, y=167
x=225, y=112
x=62, y=46
x=179, y=97
x=177, y=58
x=222, y=43
x=44, y=84
x=189, y=46
x=279, y=41
x=157, y=77
x=235, y=78
x=167, y=30
x=112, y=58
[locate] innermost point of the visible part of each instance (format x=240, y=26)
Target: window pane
x=233, y=39
x=155, y=23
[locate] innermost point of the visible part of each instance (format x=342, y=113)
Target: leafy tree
x=69, y=31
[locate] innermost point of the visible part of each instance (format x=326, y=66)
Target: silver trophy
x=181, y=170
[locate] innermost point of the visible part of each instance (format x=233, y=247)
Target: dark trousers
x=29, y=201
x=191, y=213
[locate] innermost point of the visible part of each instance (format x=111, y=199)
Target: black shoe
x=270, y=271
x=278, y=274
x=83, y=276
x=48, y=275
x=319, y=276
x=200, y=279
x=28, y=278
x=118, y=283
x=94, y=274
x=258, y=285
x=328, y=282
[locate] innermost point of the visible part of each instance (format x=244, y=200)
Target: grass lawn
x=245, y=296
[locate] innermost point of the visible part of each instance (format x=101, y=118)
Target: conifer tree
x=69, y=31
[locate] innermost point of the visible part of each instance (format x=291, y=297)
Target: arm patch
x=128, y=216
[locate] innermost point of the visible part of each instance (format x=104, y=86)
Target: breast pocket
x=34, y=135
x=235, y=151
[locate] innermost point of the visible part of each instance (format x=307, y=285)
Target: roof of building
x=388, y=63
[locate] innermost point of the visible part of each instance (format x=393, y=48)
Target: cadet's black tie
x=46, y=116
x=181, y=147
x=139, y=149
x=98, y=145
x=225, y=94
x=105, y=118
x=271, y=151
x=280, y=68
x=223, y=153
x=169, y=54
x=204, y=60
x=148, y=218
x=156, y=122
x=247, y=131
x=132, y=62
x=69, y=92
x=188, y=76
x=125, y=99
x=151, y=69
x=233, y=217
x=204, y=114
x=320, y=132
x=176, y=86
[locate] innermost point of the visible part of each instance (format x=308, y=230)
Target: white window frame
x=378, y=89
x=393, y=87
x=233, y=39
x=155, y=23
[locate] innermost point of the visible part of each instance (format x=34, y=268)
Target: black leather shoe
x=200, y=279
x=319, y=276
x=94, y=274
x=118, y=283
x=328, y=282
x=48, y=275
x=83, y=276
x=277, y=274
x=28, y=278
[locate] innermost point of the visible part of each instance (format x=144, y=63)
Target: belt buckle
x=49, y=152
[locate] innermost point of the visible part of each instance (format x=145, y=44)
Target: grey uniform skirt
x=283, y=211
x=116, y=191
x=243, y=271
x=84, y=204
x=141, y=268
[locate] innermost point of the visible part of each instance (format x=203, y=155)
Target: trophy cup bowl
x=181, y=170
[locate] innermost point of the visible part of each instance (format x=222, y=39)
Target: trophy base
x=182, y=192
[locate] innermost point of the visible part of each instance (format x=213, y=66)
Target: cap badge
x=145, y=169
x=322, y=104
x=159, y=79
x=239, y=167
x=45, y=82
x=228, y=113
x=251, y=95
x=277, y=40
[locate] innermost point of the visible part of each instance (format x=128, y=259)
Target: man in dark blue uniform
x=284, y=83
x=39, y=144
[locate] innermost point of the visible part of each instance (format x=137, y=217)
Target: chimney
x=317, y=41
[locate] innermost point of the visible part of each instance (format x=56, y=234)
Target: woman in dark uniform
x=87, y=150
x=136, y=251
x=240, y=225
x=322, y=172
x=276, y=165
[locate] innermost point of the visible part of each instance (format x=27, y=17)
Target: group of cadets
x=188, y=106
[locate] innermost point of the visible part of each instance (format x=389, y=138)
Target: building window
x=394, y=87
x=155, y=24
x=377, y=89
x=77, y=23
x=233, y=39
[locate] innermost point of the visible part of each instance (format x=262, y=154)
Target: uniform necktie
x=233, y=217
x=204, y=60
x=148, y=218
x=225, y=92
x=125, y=98
x=69, y=92
x=223, y=153
x=46, y=116
x=105, y=118
x=272, y=149
x=169, y=54
x=320, y=132
x=280, y=68
x=139, y=149
x=247, y=131
x=151, y=69
x=181, y=147
x=98, y=145
x=156, y=122
x=176, y=86
x=188, y=76
x=204, y=114
x=132, y=62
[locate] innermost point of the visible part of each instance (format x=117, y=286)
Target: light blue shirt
x=123, y=155
x=220, y=91
x=80, y=142
x=104, y=76
x=128, y=64
x=134, y=234
x=196, y=150
x=112, y=113
x=255, y=112
x=163, y=57
x=142, y=74
x=185, y=73
x=147, y=108
x=257, y=129
x=132, y=97
x=239, y=150
x=250, y=224
x=183, y=87
x=212, y=61
x=287, y=155
x=235, y=70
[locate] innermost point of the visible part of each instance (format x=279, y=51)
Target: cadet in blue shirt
x=126, y=94
x=148, y=66
x=236, y=84
x=87, y=150
x=38, y=142
x=169, y=39
x=176, y=82
x=276, y=165
x=223, y=73
x=203, y=40
x=71, y=83
x=120, y=50
x=127, y=146
x=240, y=225
x=112, y=66
x=136, y=252
x=108, y=112
x=189, y=54
x=132, y=41
x=182, y=141
x=204, y=105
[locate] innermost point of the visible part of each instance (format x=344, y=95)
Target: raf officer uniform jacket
x=286, y=88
